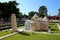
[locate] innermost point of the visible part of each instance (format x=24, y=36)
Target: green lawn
x=54, y=28
x=37, y=36
x=30, y=36
x=59, y=23
x=4, y=32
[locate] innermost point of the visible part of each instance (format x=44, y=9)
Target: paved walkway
x=58, y=26
x=21, y=29
x=7, y=35
x=44, y=32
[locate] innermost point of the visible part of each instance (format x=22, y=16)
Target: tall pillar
x=13, y=22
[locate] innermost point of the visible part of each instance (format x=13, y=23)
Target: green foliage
x=0, y=14
x=4, y=32
x=25, y=16
x=41, y=15
x=29, y=36
x=19, y=15
x=31, y=14
x=59, y=11
x=8, y=8
x=42, y=11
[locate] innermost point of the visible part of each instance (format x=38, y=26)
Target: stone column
x=13, y=22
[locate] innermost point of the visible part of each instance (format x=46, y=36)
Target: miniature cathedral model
x=37, y=23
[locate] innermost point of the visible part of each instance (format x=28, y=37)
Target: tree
x=31, y=14
x=19, y=15
x=0, y=14
x=8, y=8
x=59, y=14
x=42, y=11
x=25, y=16
x=59, y=11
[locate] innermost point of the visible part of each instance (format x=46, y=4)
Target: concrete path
x=7, y=35
x=44, y=32
x=58, y=26
x=21, y=29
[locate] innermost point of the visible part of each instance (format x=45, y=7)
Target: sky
x=26, y=6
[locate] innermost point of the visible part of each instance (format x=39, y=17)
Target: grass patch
x=4, y=32
x=54, y=28
x=36, y=36
x=59, y=23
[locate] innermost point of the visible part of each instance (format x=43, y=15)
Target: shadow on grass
x=54, y=29
x=24, y=33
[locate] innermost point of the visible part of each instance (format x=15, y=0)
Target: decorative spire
x=44, y=19
x=35, y=16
